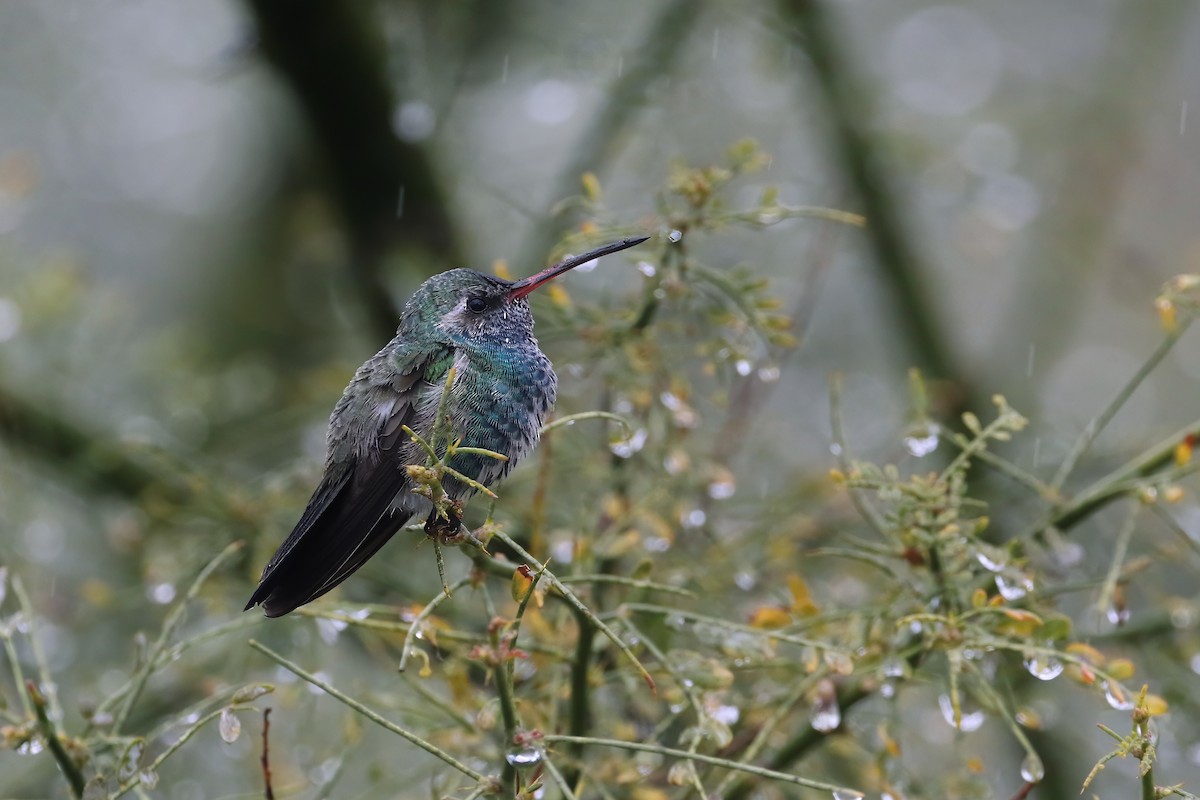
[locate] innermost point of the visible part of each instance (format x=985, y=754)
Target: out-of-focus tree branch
x=387, y=189
x=99, y=464
x=896, y=256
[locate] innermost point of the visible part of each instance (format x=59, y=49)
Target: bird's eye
x=477, y=305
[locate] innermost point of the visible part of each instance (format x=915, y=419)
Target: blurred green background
x=209, y=211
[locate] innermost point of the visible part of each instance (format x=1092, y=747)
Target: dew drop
x=1117, y=615
x=1116, y=697
x=647, y=269
x=523, y=758
x=1013, y=586
x=31, y=746
x=148, y=778
x=969, y=720
x=162, y=593
x=924, y=442
x=694, y=518
x=675, y=235
x=627, y=447
x=1044, y=667
x=847, y=794
x=1032, y=769
x=825, y=715
x=746, y=580
x=229, y=726
x=743, y=367
x=723, y=488
x=991, y=560
x=895, y=668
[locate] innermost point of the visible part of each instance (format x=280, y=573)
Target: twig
x=70, y=769
x=578, y=605
x=268, y=792
x=1109, y=587
x=1117, y=483
x=1102, y=419
x=173, y=620
x=669, y=752
x=335, y=61
x=415, y=626
x=368, y=713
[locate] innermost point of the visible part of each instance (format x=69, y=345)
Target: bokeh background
x=208, y=211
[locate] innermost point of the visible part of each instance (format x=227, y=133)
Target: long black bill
x=527, y=285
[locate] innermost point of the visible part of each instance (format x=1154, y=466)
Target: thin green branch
x=345, y=699
x=66, y=763
x=579, y=606
x=633, y=583
x=778, y=635
x=571, y=419
x=1109, y=587
x=415, y=626
x=670, y=752
x=1117, y=483
x=1098, y=423
x=172, y=622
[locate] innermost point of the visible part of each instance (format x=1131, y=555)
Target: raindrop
x=694, y=518
x=148, y=778
x=847, y=794
x=825, y=715
x=31, y=746
x=923, y=443
x=1044, y=667
x=523, y=758
x=1117, y=615
x=646, y=268
x=162, y=593
x=992, y=561
x=969, y=720
x=895, y=668
x=1117, y=697
x=745, y=580
x=627, y=447
x=722, y=488
x=675, y=235
x=1013, y=586
x=835, y=449
x=229, y=726
x=743, y=367
x=826, y=718
x=1032, y=769
x=726, y=715
x=676, y=621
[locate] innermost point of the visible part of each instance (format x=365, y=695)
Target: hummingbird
x=503, y=388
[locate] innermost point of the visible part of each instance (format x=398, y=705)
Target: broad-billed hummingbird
x=503, y=388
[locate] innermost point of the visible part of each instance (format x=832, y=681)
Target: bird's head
x=465, y=304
